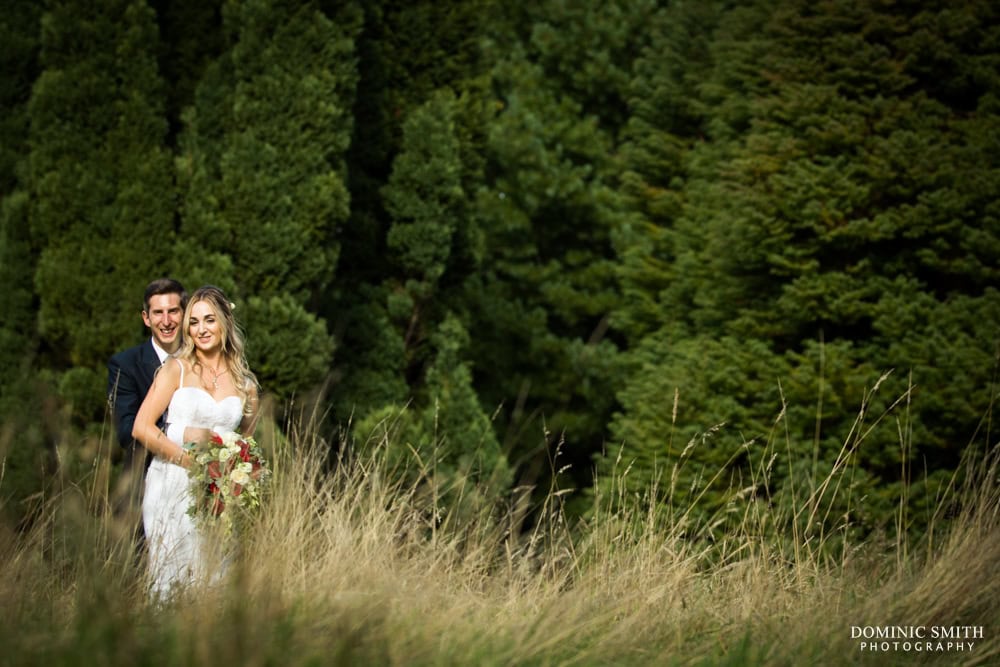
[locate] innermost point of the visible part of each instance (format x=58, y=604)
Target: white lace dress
x=172, y=538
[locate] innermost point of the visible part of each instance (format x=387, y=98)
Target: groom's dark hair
x=164, y=286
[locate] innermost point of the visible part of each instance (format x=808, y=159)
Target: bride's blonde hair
x=233, y=355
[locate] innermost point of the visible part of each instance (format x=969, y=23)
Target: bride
x=206, y=387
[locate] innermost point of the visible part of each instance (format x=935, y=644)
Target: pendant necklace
x=216, y=376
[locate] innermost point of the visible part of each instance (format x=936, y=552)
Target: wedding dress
x=176, y=553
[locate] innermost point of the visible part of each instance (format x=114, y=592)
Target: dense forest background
x=713, y=249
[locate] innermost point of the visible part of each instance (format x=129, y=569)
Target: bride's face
x=204, y=327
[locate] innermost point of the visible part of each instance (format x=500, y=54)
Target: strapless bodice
x=193, y=406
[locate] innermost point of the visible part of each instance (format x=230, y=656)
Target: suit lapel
x=150, y=362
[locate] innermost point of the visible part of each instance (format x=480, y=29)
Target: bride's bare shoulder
x=172, y=370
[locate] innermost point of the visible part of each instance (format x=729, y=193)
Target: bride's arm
x=145, y=429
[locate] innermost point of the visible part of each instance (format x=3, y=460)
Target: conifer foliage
x=19, y=34
x=266, y=176
x=682, y=239
x=827, y=226
x=100, y=184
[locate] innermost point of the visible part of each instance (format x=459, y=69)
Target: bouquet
x=228, y=479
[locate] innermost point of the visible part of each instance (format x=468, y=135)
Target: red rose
x=216, y=438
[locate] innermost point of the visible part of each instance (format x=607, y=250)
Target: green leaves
x=289, y=348
x=424, y=195
x=282, y=171
x=265, y=177
x=830, y=217
x=554, y=215
x=100, y=182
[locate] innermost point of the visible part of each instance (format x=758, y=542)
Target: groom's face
x=163, y=317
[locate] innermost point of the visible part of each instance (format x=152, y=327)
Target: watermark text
x=917, y=638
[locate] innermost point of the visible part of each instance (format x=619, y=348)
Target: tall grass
x=349, y=566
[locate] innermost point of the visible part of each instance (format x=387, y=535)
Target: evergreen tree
x=445, y=423
x=100, y=183
x=371, y=372
x=541, y=307
x=444, y=438
x=24, y=451
x=561, y=213
x=425, y=191
x=19, y=31
x=191, y=38
x=26, y=447
x=410, y=243
x=666, y=121
x=265, y=176
x=282, y=170
x=17, y=344
x=407, y=53
x=470, y=445
x=833, y=203
x=425, y=200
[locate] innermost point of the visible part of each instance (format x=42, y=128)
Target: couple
x=189, y=381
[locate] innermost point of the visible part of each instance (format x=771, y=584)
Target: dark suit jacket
x=130, y=375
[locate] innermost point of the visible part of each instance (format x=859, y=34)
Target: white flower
x=239, y=476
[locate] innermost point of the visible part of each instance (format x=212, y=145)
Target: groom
x=130, y=374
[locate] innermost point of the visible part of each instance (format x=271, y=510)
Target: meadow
x=347, y=565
